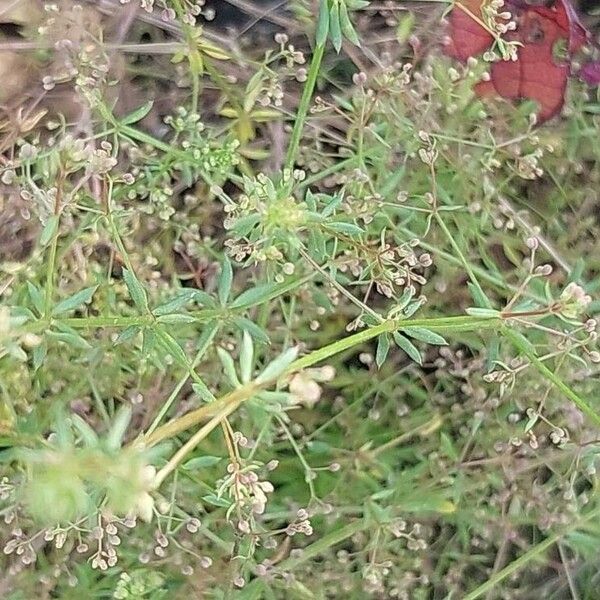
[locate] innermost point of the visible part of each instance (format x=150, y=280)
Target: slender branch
x=581, y=404
x=520, y=562
x=239, y=395
x=302, y=112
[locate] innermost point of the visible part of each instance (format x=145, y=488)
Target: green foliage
x=67, y=480
x=313, y=332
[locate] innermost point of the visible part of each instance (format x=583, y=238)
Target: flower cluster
x=246, y=491
x=300, y=525
x=499, y=22
x=573, y=301
x=266, y=219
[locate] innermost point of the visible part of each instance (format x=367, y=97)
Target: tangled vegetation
x=287, y=311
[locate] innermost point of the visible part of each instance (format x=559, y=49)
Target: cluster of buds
x=573, y=301
x=499, y=22
x=528, y=165
x=247, y=492
x=300, y=525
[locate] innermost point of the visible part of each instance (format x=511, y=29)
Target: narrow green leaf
x=37, y=298
x=49, y=230
x=526, y=345
x=448, y=446
x=245, y=225
x=533, y=419
x=136, y=290
x=174, y=304
x=148, y=341
x=176, y=319
x=114, y=438
x=168, y=342
x=206, y=338
x=274, y=369
x=39, y=354
x=138, y=114
x=63, y=429
x=254, y=296
x=225, y=279
x=216, y=500
x=424, y=335
x=477, y=294
x=346, y=25
x=347, y=228
x=253, y=329
x=412, y=308
x=71, y=339
x=310, y=200
x=246, y=357
x=87, y=434
x=228, y=366
x=383, y=347
x=202, y=391
x=493, y=352
x=333, y=204
x=317, y=244
x=335, y=29
x=322, y=23
x=408, y=347
x=74, y=301
x=203, y=299
x=127, y=334
x=281, y=398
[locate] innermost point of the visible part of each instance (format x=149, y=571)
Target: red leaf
x=467, y=37
x=535, y=75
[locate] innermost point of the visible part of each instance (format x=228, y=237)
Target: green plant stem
x=176, y=459
x=51, y=265
x=200, y=316
x=581, y=404
x=302, y=112
x=207, y=338
x=308, y=472
x=430, y=425
x=238, y=396
x=324, y=543
x=516, y=340
x=461, y=257
x=49, y=290
x=525, y=558
x=193, y=55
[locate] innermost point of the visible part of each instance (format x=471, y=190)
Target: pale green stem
x=239, y=395
x=304, y=105
x=514, y=566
